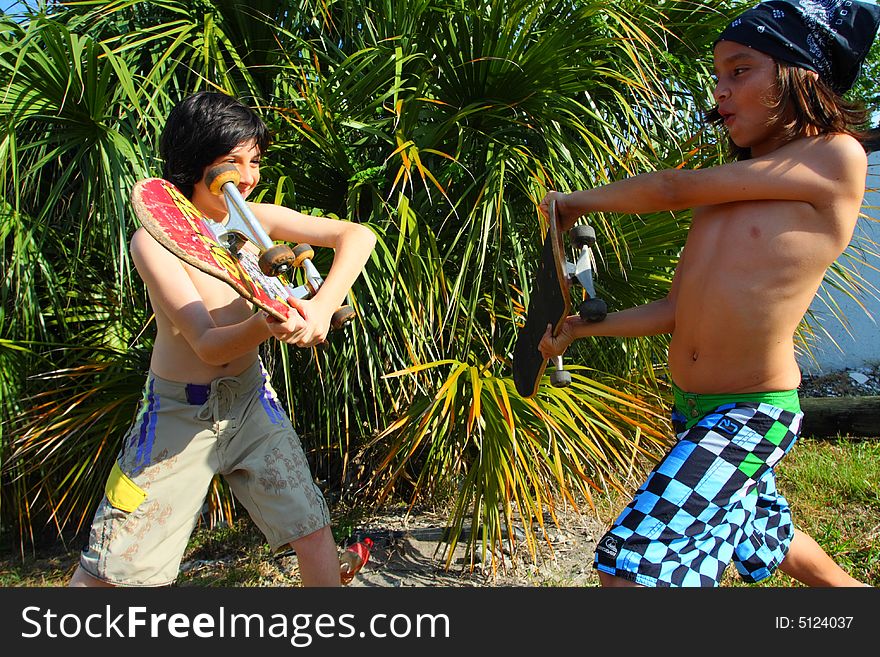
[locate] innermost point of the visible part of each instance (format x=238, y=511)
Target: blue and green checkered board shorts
x=712, y=498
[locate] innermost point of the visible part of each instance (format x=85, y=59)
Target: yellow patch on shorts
x=122, y=492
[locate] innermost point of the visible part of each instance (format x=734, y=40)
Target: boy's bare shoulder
x=138, y=238
x=144, y=248
x=833, y=151
x=141, y=241
x=848, y=149
x=834, y=166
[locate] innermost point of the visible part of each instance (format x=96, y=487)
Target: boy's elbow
x=672, y=189
x=211, y=356
x=356, y=232
x=367, y=236
x=363, y=237
x=211, y=351
x=668, y=316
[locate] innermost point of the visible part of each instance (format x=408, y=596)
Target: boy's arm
x=352, y=244
x=171, y=288
x=821, y=171
x=650, y=319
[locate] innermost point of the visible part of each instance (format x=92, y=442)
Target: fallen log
x=830, y=417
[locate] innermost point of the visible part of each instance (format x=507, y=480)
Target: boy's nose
x=245, y=176
x=720, y=92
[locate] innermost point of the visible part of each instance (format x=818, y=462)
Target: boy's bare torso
x=747, y=275
x=174, y=359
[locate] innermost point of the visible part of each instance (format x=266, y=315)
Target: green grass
x=834, y=491
x=833, y=488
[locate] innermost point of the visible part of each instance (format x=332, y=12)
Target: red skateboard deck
x=176, y=224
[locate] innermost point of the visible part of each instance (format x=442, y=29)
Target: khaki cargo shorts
x=182, y=436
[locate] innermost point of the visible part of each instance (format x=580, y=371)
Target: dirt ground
x=409, y=551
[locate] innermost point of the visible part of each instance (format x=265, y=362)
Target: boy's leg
x=808, y=563
x=685, y=522
x=612, y=581
x=153, y=495
x=772, y=542
x=267, y=469
x=82, y=578
x=318, y=559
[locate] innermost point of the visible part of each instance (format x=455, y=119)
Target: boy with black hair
x=765, y=229
x=208, y=405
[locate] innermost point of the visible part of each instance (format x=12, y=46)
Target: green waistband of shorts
x=695, y=405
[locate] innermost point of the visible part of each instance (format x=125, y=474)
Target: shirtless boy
x=765, y=228
x=208, y=406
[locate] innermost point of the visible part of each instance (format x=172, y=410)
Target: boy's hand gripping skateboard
x=550, y=303
x=238, y=251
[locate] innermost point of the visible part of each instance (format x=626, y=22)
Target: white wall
x=862, y=347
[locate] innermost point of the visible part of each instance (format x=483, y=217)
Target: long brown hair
x=803, y=101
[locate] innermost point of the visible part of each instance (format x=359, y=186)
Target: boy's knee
x=315, y=540
x=613, y=581
x=82, y=578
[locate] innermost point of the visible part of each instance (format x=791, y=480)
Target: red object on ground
x=353, y=559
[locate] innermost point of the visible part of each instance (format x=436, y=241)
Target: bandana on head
x=829, y=37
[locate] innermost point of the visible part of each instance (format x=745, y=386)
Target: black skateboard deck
x=549, y=303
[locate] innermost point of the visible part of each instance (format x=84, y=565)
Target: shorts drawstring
x=223, y=391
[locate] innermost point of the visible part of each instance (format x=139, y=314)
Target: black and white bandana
x=829, y=37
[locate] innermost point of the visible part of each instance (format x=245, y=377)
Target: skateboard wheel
x=342, y=316
x=560, y=378
x=218, y=176
x=301, y=253
x=277, y=260
x=593, y=310
x=583, y=235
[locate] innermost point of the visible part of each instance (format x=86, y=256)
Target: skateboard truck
x=276, y=258
x=560, y=377
x=583, y=238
